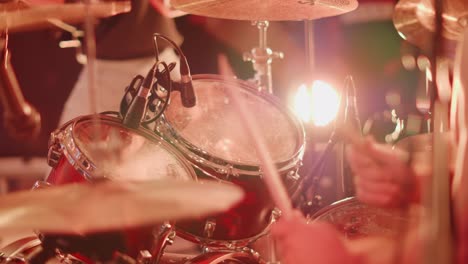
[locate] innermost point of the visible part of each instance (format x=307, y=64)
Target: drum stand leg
x=165, y=237
x=261, y=58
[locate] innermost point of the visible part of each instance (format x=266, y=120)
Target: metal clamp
x=55, y=150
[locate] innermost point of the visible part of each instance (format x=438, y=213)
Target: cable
x=184, y=68
x=169, y=90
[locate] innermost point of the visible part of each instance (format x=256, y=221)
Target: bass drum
x=94, y=147
x=357, y=220
x=211, y=136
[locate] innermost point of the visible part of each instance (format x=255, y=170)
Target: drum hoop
x=231, y=167
x=227, y=244
x=86, y=167
x=18, y=246
x=221, y=256
x=333, y=206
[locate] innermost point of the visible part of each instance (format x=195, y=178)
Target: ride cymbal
x=414, y=20
x=24, y=17
x=271, y=10
x=112, y=205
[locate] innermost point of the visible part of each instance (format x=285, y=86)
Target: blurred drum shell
x=248, y=220
x=78, y=168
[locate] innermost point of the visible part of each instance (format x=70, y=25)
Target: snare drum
x=356, y=220
x=93, y=147
x=212, y=137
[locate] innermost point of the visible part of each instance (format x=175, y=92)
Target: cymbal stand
x=261, y=58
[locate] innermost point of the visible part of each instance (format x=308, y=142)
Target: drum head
x=214, y=125
x=356, y=220
x=119, y=153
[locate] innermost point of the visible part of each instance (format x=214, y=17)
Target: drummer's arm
x=382, y=176
x=318, y=242
x=386, y=250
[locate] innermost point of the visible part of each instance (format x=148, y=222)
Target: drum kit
x=120, y=193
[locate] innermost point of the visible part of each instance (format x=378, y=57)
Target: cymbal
x=271, y=10
x=24, y=18
x=414, y=20
x=112, y=205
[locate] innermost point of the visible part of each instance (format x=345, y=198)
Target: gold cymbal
x=20, y=16
x=271, y=10
x=112, y=205
x=414, y=20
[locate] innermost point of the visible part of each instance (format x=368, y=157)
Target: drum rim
x=230, y=167
x=79, y=160
x=335, y=205
x=224, y=244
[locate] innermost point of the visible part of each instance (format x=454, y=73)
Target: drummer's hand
x=381, y=174
x=300, y=243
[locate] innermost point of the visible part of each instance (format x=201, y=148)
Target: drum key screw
x=293, y=175
x=171, y=237
x=275, y=215
x=318, y=201
x=210, y=226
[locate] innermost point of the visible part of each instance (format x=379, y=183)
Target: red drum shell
x=211, y=137
x=77, y=163
x=91, y=147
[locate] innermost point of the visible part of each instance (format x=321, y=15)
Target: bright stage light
x=318, y=104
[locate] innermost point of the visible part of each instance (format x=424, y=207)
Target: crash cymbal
x=112, y=205
x=21, y=17
x=272, y=10
x=414, y=20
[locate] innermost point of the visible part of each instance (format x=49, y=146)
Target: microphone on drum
x=22, y=120
x=187, y=92
x=137, y=108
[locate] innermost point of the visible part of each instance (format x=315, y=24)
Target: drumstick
x=271, y=176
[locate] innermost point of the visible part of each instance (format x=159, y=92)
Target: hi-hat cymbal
x=21, y=17
x=112, y=205
x=272, y=10
x=414, y=20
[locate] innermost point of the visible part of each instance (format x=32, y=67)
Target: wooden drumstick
x=271, y=176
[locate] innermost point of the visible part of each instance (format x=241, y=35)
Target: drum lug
x=253, y=253
x=275, y=215
x=55, y=153
x=293, y=175
x=210, y=226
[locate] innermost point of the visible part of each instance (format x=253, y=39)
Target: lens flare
x=318, y=104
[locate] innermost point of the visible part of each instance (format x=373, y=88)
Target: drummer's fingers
x=375, y=198
x=384, y=187
x=376, y=174
x=358, y=160
x=385, y=155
